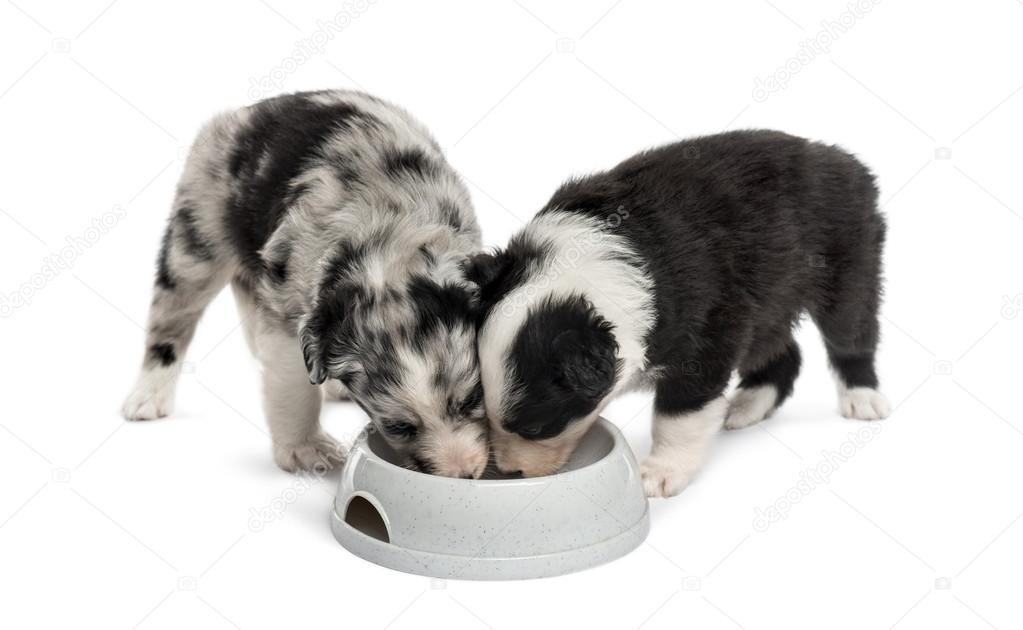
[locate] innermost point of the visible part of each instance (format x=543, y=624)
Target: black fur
x=348, y=256
x=498, y=273
x=321, y=336
x=741, y=234
x=451, y=214
x=856, y=371
x=284, y=133
x=162, y=353
x=276, y=262
x=572, y=364
x=413, y=162
x=164, y=279
x=781, y=372
x=439, y=305
x=196, y=245
x=468, y=405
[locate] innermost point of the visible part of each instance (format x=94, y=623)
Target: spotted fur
x=344, y=232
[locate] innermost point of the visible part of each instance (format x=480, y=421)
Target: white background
x=121, y=525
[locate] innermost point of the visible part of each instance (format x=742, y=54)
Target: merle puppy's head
x=395, y=322
x=548, y=365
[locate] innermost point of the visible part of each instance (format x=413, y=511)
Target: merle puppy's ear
x=485, y=268
x=585, y=361
x=320, y=348
x=312, y=338
x=319, y=334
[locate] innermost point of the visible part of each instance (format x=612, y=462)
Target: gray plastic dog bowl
x=591, y=512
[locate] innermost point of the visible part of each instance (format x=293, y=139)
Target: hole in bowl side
x=363, y=516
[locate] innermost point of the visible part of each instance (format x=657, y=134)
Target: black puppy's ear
x=485, y=268
x=585, y=361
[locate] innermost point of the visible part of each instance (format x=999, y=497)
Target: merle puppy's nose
x=465, y=476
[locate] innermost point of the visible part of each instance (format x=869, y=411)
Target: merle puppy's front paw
x=318, y=454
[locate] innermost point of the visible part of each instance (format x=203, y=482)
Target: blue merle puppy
x=343, y=232
x=673, y=269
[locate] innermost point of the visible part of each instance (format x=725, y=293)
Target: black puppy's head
x=565, y=311
x=547, y=370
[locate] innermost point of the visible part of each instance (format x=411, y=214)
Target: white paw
x=319, y=454
x=334, y=389
x=663, y=477
x=750, y=406
x=152, y=397
x=863, y=403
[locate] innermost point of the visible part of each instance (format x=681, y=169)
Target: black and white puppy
x=343, y=233
x=673, y=269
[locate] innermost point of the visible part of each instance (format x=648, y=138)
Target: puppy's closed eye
x=400, y=429
x=536, y=431
x=472, y=402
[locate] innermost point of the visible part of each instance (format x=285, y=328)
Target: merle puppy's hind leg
x=194, y=264
x=763, y=388
x=191, y=270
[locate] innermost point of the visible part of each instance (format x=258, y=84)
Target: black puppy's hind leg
x=764, y=388
x=850, y=328
x=858, y=395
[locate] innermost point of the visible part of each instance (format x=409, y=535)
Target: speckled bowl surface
x=589, y=513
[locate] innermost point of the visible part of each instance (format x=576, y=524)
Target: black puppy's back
x=741, y=233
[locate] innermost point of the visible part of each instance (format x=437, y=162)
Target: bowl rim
x=617, y=445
